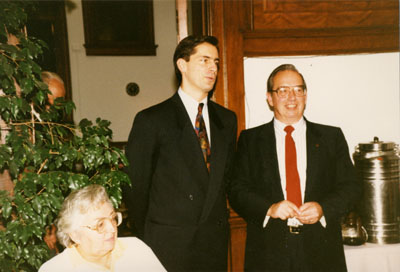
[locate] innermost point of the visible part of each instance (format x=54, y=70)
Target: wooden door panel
x=288, y=14
x=320, y=41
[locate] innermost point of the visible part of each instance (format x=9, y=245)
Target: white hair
x=75, y=207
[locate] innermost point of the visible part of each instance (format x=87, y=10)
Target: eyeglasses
x=100, y=227
x=283, y=92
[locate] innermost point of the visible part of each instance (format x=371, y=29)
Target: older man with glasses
x=292, y=181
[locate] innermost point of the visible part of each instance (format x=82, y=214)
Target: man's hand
x=283, y=210
x=310, y=213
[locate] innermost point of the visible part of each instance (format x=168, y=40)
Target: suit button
x=191, y=197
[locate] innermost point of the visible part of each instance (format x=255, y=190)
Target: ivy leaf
x=85, y=123
x=7, y=68
x=69, y=107
x=102, y=123
x=55, y=201
x=24, y=238
x=27, y=84
x=8, y=47
x=122, y=156
x=25, y=67
x=13, y=168
x=37, y=205
x=37, y=231
x=6, y=209
x=7, y=84
x=41, y=96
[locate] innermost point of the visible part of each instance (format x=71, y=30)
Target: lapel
x=189, y=147
x=218, y=158
x=313, y=139
x=269, y=157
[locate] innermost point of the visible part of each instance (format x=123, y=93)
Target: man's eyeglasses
x=101, y=225
x=283, y=92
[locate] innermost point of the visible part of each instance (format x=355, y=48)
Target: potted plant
x=45, y=157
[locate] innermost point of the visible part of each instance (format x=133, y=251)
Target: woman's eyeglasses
x=101, y=225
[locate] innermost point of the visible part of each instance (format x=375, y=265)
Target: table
x=373, y=257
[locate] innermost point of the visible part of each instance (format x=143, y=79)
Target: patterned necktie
x=292, y=176
x=200, y=128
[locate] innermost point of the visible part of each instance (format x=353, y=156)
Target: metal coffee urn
x=378, y=168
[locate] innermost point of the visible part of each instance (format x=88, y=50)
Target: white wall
x=98, y=82
x=359, y=93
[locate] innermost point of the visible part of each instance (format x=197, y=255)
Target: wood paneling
x=298, y=27
x=288, y=14
x=320, y=41
x=215, y=24
x=238, y=239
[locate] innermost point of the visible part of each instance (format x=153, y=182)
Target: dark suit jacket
x=178, y=208
x=255, y=186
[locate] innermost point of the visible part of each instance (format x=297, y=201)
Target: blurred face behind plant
x=57, y=90
x=96, y=234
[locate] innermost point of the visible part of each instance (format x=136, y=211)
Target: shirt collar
x=298, y=126
x=191, y=105
x=190, y=101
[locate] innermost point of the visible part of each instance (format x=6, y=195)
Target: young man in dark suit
x=292, y=180
x=179, y=153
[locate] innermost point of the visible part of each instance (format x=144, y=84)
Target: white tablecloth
x=373, y=258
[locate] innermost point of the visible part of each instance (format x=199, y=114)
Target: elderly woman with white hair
x=87, y=227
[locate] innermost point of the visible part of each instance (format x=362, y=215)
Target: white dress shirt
x=300, y=140
x=191, y=106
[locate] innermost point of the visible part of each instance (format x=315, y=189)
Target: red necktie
x=292, y=175
x=200, y=128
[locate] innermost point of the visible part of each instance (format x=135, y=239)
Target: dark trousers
x=296, y=253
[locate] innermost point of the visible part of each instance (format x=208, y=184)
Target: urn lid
x=376, y=145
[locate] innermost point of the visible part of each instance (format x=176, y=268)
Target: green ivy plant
x=46, y=157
